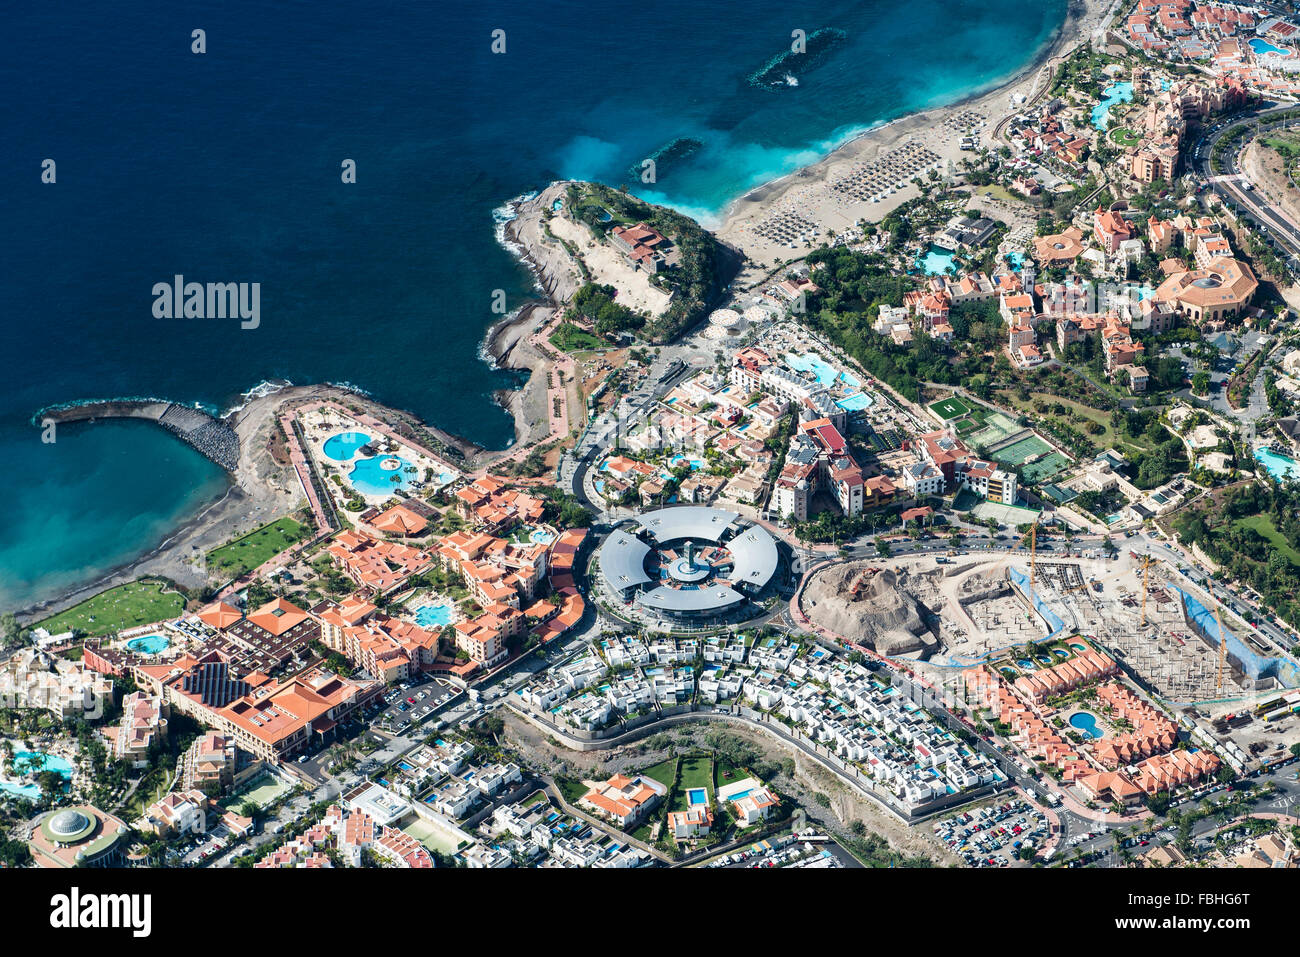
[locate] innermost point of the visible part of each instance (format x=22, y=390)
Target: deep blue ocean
x=225, y=167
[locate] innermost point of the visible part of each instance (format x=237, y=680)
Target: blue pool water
x=540, y=536
x=676, y=460
x=826, y=373
x=1262, y=46
x=343, y=446
x=1112, y=519
x=1085, y=724
x=1121, y=92
x=740, y=794
x=697, y=796
x=149, y=644
x=1279, y=466
x=1026, y=664
x=34, y=762
x=937, y=261
x=856, y=403
x=370, y=477
x=1017, y=261
x=433, y=616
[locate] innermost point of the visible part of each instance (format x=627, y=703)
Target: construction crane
x=1033, y=551
x=1146, y=563
x=1223, y=648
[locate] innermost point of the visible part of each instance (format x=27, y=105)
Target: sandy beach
x=869, y=176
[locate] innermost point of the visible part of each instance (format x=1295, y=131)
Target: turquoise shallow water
x=226, y=167
x=93, y=499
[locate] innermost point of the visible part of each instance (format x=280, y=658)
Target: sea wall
x=212, y=437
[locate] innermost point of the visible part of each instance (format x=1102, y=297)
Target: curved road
x=1229, y=185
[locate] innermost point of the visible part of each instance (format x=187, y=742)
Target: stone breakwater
x=212, y=437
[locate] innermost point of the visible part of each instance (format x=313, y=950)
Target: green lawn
x=695, y=772
x=570, y=338
x=135, y=603
x=244, y=554
x=1124, y=137
x=1264, y=525
x=665, y=772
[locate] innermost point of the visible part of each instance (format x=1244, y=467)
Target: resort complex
x=935, y=504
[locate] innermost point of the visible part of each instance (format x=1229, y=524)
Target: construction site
x=954, y=613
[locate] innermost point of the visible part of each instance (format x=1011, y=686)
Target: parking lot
x=993, y=836
x=408, y=704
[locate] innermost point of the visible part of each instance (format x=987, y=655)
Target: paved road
x=1229, y=184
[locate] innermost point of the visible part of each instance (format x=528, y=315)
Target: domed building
x=78, y=836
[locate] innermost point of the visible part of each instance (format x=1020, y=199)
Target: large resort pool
x=937, y=262
x=434, y=616
x=1262, y=48
x=343, y=446
x=1279, y=466
x=1121, y=92
x=31, y=763
x=1086, y=724
x=381, y=475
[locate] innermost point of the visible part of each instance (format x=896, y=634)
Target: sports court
x=261, y=791
x=997, y=427
x=1009, y=515
x=1018, y=453
x=1045, y=468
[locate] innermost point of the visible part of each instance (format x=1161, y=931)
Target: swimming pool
x=826, y=373
x=434, y=616
x=739, y=794
x=1262, y=47
x=678, y=459
x=148, y=644
x=33, y=763
x=1115, y=93
x=1279, y=466
x=540, y=536
x=343, y=446
x=937, y=261
x=373, y=477
x=856, y=402
x=1085, y=724
x=696, y=796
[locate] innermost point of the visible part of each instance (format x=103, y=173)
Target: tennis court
x=949, y=409
x=997, y=427
x=1009, y=515
x=441, y=839
x=261, y=791
x=1045, y=468
x=1017, y=453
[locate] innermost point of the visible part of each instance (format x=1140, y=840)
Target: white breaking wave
x=263, y=388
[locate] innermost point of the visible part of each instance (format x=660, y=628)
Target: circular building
x=688, y=563
x=80, y=836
